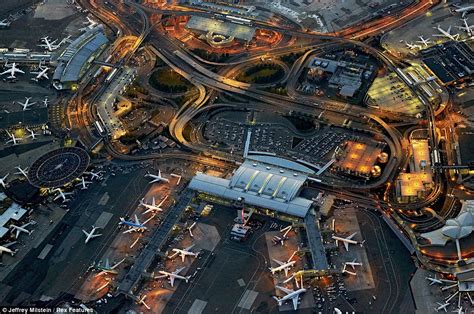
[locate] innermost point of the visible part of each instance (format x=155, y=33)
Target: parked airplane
x=173, y=275
x=33, y=135
x=423, y=41
x=134, y=225
x=156, y=178
x=2, y=180
x=106, y=268
x=23, y=172
x=5, y=248
x=90, y=24
x=49, y=45
x=446, y=33
x=141, y=301
x=20, y=229
x=91, y=235
x=190, y=228
x=183, y=253
x=40, y=74
x=285, y=266
x=12, y=139
x=411, y=46
x=94, y=175
x=46, y=102
x=344, y=270
x=458, y=310
x=12, y=70
x=27, y=103
x=463, y=10
x=348, y=240
x=84, y=183
x=439, y=281
x=292, y=295
x=284, y=237
x=442, y=306
x=353, y=264
x=152, y=207
x=467, y=28
x=62, y=195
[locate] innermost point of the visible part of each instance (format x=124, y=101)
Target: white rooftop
x=260, y=184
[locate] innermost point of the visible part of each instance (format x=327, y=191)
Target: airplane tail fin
x=362, y=243
x=187, y=278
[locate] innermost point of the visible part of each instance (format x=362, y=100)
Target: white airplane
x=12, y=139
x=84, y=183
x=156, y=178
x=285, y=266
x=134, y=225
x=33, y=135
x=23, y=172
x=94, y=175
x=106, y=268
x=173, y=275
x=458, y=310
x=292, y=295
x=27, y=103
x=411, y=46
x=353, y=264
x=40, y=74
x=12, y=70
x=423, y=41
x=347, y=240
x=190, y=229
x=20, y=229
x=152, y=207
x=284, y=237
x=446, y=33
x=5, y=248
x=467, y=28
x=2, y=180
x=183, y=253
x=463, y=10
x=442, y=306
x=62, y=195
x=49, y=45
x=90, y=24
x=91, y=235
x=434, y=281
x=46, y=102
x=344, y=270
x=141, y=301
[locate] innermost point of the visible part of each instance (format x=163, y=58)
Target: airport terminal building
x=266, y=182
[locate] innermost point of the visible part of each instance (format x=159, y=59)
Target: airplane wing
x=295, y=302
x=159, y=173
x=173, y=255
x=20, y=71
x=96, y=235
x=9, y=244
x=115, y=266
x=17, y=234
x=129, y=230
x=346, y=245
x=285, y=290
x=153, y=202
x=177, y=271
x=286, y=271
x=278, y=262
x=183, y=256
x=136, y=220
x=189, y=247
x=85, y=232
x=351, y=236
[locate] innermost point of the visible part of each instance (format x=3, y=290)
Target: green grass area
x=167, y=80
x=261, y=73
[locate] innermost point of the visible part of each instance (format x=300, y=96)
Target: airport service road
x=391, y=265
x=62, y=269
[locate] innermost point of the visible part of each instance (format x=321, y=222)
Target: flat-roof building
x=78, y=56
x=269, y=182
x=13, y=213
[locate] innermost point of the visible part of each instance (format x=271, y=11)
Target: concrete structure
x=358, y=159
x=266, y=182
x=77, y=57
